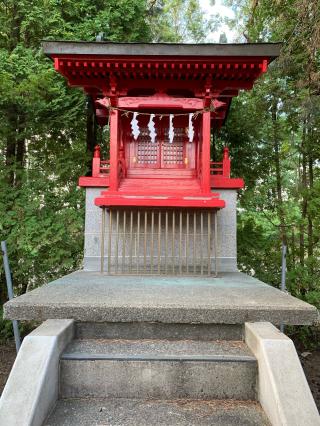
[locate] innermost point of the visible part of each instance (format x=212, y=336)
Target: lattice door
x=161, y=153
x=173, y=154
x=147, y=152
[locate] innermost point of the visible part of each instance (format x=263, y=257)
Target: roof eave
x=57, y=48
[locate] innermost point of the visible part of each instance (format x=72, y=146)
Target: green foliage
x=273, y=132
x=43, y=126
x=43, y=131
x=6, y=331
x=178, y=21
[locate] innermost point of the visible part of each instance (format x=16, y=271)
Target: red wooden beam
x=114, y=150
x=205, y=154
x=154, y=201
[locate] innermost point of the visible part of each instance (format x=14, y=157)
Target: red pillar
x=114, y=159
x=96, y=161
x=205, y=156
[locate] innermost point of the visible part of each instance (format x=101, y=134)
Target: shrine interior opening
x=160, y=157
x=174, y=158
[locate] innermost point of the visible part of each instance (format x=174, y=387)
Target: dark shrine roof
x=270, y=50
x=207, y=71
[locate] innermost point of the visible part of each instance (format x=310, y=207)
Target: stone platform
x=232, y=298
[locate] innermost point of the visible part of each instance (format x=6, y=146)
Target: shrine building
x=159, y=327
x=162, y=198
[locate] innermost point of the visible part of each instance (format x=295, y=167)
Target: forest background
x=48, y=130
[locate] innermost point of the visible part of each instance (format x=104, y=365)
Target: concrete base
x=135, y=412
x=283, y=390
x=232, y=298
x=226, y=239
x=32, y=388
x=157, y=330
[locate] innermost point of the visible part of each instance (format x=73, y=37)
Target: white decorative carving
x=135, y=126
x=171, y=129
x=152, y=129
x=191, y=128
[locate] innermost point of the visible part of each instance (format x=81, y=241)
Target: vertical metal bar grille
x=110, y=241
x=173, y=242
x=103, y=230
x=152, y=241
x=142, y=242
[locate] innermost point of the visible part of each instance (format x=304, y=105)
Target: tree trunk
x=91, y=139
x=293, y=247
x=20, y=151
x=303, y=188
x=10, y=157
x=310, y=222
x=276, y=148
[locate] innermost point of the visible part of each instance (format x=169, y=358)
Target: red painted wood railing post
x=205, y=154
x=114, y=151
x=226, y=163
x=96, y=161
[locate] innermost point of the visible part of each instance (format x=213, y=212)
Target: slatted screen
x=170, y=242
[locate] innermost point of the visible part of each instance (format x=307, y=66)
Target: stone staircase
x=157, y=374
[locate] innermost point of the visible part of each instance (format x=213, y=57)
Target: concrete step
x=158, y=330
x=163, y=369
x=139, y=412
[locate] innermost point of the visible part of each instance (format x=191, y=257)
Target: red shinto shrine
x=166, y=81
x=154, y=350
x=163, y=104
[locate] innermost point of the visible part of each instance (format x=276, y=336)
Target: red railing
x=101, y=168
x=221, y=168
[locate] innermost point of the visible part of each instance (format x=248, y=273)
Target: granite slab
x=232, y=298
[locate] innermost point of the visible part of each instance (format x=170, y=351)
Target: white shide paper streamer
x=171, y=128
x=152, y=129
x=135, y=126
x=190, y=128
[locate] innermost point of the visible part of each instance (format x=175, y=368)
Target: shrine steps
x=157, y=368
x=148, y=173
x=160, y=186
x=135, y=374
x=151, y=412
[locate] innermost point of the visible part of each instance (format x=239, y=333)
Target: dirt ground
x=311, y=365
x=309, y=360
x=7, y=357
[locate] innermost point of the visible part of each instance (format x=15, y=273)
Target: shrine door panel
x=173, y=153
x=146, y=152
x=161, y=153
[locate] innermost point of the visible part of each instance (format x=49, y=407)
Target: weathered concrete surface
x=135, y=412
x=282, y=387
x=157, y=379
x=32, y=388
x=233, y=298
x=160, y=349
x=156, y=330
x=163, y=369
